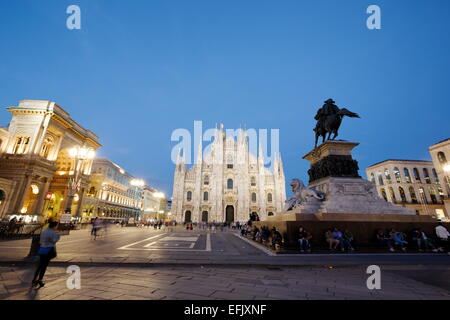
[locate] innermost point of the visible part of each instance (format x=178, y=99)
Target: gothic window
x=441, y=157
x=426, y=175
x=397, y=175
x=229, y=166
x=253, y=182
x=413, y=195
x=407, y=176
x=269, y=197
x=205, y=196
x=416, y=175
x=383, y=194
x=189, y=196
x=270, y=214
x=402, y=194
x=372, y=178
x=230, y=184
x=206, y=180
x=253, y=197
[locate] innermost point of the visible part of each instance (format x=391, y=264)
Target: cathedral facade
x=228, y=184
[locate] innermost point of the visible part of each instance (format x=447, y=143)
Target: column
x=40, y=202
x=80, y=202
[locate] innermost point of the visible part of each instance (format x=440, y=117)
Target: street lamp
x=79, y=154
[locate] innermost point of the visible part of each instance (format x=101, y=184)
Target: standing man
x=47, y=252
x=443, y=236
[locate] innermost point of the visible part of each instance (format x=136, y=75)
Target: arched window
x=433, y=195
x=383, y=194
x=387, y=175
x=413, y=195
x=189, y=196
x=441, y=193
x=435, y=175
x=407, y=176
x=422, y=196
x=253, y=197
x=205, y=216
x=392, y=194
x=441, y=157
x=253, y=182
x=380, y=179
x=372, y=177
x=270, y=214
x=206, y=180
x=269, y=197
x=47, y=146
x=426, y=175
x=230, y=184
x=402, y=194
x=416, y=175
x=398, y=179
x=205, y=196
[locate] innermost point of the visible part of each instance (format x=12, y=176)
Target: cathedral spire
x=200, y=153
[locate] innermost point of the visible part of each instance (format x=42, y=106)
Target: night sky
x=137, y=70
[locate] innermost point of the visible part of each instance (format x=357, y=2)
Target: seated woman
x=332, y=241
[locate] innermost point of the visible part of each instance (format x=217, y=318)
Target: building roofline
x=439, y=142
x=400, y=160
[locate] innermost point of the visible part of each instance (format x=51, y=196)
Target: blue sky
x=137, y=70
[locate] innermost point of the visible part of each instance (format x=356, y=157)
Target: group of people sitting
x=393, y=238
x=336, y=239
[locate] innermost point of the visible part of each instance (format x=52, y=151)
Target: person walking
x=47, y=251
x=443, y=237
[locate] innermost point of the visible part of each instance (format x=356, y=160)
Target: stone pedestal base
x=354, y=196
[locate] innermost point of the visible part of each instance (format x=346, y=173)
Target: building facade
x=153, y=204
x=45, y=162
x=113, y=193
x=228, y=184
x=413, y=184
x=440, y=154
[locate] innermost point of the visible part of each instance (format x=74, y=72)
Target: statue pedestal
x=335, y=173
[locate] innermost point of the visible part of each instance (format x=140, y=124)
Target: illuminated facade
x=229, y=184
x=440, y=153
x=113, y=193
x=413, y=184
x=37, y=162
x=153, y=203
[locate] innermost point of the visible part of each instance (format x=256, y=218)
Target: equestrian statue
x=329, y=119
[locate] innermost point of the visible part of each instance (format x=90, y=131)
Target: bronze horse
x=331, y=124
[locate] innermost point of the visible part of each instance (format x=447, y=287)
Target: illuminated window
x=407, y=176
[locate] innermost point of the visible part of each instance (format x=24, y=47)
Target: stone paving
x=226, y=283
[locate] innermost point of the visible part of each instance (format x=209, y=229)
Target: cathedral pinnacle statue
x=329, y=119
